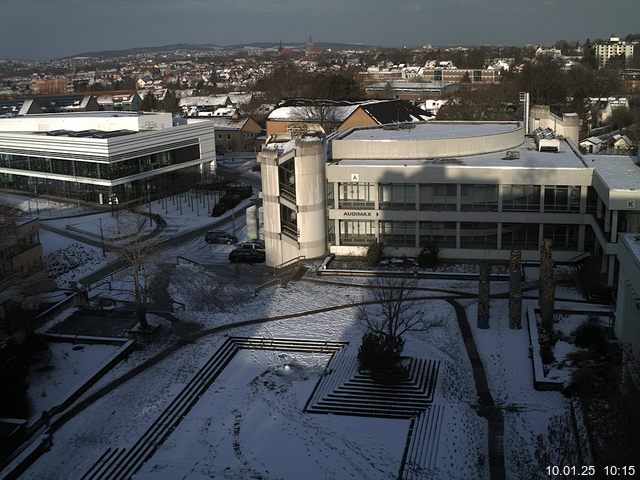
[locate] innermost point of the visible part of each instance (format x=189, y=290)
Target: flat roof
x=430, y=131
x=618, y=172
x=529, y=157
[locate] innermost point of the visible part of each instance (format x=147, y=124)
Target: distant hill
x=104, y=54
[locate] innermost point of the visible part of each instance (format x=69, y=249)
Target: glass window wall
x=356, y=195
x=357, y=232
x=521, y=198
x=483, y=198
x=398, y=234
x=478, y=235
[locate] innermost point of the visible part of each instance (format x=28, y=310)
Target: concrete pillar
x=547, y=287
x=614, y=226
x=583, y=199
x=483, y=295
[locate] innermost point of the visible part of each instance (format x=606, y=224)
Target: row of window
x=408, y=196
x=106, y=171
x=476, y=235
x=167, y=183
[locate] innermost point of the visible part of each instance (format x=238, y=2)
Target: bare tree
x=393, y=315
x=322, y=112
x=135, y=250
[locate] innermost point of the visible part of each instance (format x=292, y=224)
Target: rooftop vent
x=546, y=140
x=512, y=155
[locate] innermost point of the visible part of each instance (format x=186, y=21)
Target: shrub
x=380, y=353
x=374, y=254
x=428, y=257
x=591, y=335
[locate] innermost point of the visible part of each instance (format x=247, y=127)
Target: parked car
x=219, y=236
x=251, y=245
x=246, y=255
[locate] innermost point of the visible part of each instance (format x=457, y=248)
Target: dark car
x=251, y=245
x=219, y=236
x=245, y=255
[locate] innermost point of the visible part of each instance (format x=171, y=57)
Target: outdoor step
x=164, y=424
x=365, y=412
x=372, y=398
x=123, y=466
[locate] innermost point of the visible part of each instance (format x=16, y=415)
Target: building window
x=357, y=232
x=287, y=179
x=437, y=75
x=440, y=234
x=521, y=198
x=289, y=222
x=477, y=76
x=592, y=200
x=397, y=196
x=520, y=236
x=219, y=136
x=479, y=235
x=563, y=237
x=440, y=196
x=356, y=195
x=331, y=232
x=228, y=136
x=479, y=198
x=561, y=198
x=398, y=234
x=330, y=195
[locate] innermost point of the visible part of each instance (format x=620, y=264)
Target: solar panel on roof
x=57, y=133
x=111, y=134
x=83, y=133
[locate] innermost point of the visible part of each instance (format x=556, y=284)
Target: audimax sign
x=360, y=214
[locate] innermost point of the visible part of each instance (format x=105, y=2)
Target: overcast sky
x=44, y=29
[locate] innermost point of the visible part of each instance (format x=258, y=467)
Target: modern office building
x=476, y=190
x=98, y=156
x=627, y=325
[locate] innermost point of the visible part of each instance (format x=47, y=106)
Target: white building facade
x=95, y=155
x=476, y=190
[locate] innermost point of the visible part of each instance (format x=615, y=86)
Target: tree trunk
x=483, y=296
x=141, y=310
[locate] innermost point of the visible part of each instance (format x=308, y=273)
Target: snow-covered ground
x=332, y=447
x=56, y=374
x=250, y=423
x=66, y=259
x=505, y=356
x=34, y=206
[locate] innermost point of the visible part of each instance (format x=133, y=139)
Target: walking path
x=486, y=406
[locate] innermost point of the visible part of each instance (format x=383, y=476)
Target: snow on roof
x=205, y=101
x=431, y=131
x=618, y=172
x=528, y=159
x=301, y=113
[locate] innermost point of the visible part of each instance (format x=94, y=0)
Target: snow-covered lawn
x=251, y=424
x=55, y=376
